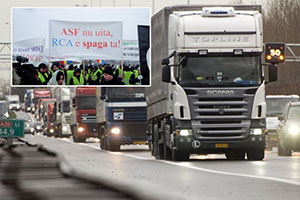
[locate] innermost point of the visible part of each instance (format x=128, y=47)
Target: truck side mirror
x=165, y=61
x=166, y=76
x=73, y=103
x=272, y=73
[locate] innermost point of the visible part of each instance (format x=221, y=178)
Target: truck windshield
x=220, y=70
x=13, y=102
x=87, y=102
x=126, y=94
x=275, y=106
x=66, y=106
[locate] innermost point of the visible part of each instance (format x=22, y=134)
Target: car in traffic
x=38, y=126
x=29, y=127
x=288, y=130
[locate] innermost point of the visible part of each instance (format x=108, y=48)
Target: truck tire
x=157, y=148
x=235, y=155
x=287, y=151
x=279, y=149
x=256, y=154
x=166, y=148
x=180, y=156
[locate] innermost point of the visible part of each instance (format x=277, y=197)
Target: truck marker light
x=281, y=57
x=269, y=57
x=115, y=131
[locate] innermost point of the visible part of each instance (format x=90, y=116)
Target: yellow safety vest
x=41, y=77
x=77, y=82
x=69, y=76
x=126, y=77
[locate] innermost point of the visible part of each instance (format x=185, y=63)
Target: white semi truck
x=208, y=90
x=62, y=111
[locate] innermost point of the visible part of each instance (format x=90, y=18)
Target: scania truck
x=208, y=90
x=83, y=113
x=121, y=117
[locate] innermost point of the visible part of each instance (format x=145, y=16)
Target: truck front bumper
x=193, y=146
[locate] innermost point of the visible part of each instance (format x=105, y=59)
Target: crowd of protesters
x=96, y=74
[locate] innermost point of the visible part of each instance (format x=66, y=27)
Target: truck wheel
x=235, y=155
x=180, y=156
x=157, y=148
x=256, y=154
x=167, y=150
x=286, y=150
x=279, y=149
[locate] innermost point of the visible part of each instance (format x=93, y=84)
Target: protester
x=109, y=78
x=58, y=78
x=77, y=78
x=43, y=74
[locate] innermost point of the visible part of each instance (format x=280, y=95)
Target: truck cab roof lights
x=218, y=12
x=238, y=51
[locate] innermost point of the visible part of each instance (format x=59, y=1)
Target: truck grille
x=88, y=118
x=137, y=130
x=136, y=114
x=220, y=116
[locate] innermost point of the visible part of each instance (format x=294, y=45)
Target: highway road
x=203, y=177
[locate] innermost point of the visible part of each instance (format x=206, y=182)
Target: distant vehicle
x=39, y=94
x=121, y=117
x=28, y=100
x=28, y=124
x=83, y=113
x=289, y=130
x=275, y=107
x=50, y=120
x=13, y=102
x=38, y=126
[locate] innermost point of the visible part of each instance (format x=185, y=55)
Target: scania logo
x=219, y=92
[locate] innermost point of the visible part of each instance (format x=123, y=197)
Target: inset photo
x=81, y=46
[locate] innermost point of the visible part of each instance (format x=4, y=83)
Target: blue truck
x=121, y=115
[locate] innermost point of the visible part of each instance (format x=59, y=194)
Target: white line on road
x=187, y=165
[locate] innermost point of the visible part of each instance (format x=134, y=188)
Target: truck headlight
x=28, y=108
x=18, y=107
x=32, y=130
x=256, y=131
x=10, y=107
x=293, y=130
x=65, y=128
x=51, y=130
x=33, y=109
x=27, y=125
x=184, y=132
x=80, y=129
x=115, y=131
x=38, y=127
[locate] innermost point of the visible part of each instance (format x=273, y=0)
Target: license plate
x=221, y=145
x=273, y=139
x=140, y=142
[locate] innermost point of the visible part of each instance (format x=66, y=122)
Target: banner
x=143, y=34
x=33, y=49
x=86, y=39
x=131, y=50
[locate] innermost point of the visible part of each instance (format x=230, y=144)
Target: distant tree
x=281, y=23
x=4, y=86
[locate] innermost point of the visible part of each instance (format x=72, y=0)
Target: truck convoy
x=83, y=113
x=62, y=111
x=121, y=117
x=13, y=102
x=275, y=108
x=210, y=96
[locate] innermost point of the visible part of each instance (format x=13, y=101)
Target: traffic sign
x=11, y=128
x=275, y=53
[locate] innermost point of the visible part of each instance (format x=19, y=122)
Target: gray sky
x=34, y=22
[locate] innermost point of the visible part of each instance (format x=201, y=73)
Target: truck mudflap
x=194, y=146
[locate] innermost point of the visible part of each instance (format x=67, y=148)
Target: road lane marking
x=187, y=165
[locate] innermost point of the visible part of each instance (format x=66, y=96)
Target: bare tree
x=4, y=86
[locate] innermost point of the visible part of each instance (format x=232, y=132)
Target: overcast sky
x=34, y=22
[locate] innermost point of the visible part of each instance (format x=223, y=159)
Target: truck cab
x=83, y=113
x=13, y=102
x=121, y=117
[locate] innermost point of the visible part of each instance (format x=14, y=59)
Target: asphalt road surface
x=203, y=177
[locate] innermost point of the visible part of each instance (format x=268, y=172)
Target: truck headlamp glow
x=51, y=130
x=293, y=130
x=65, y=128
x=38, y=127
x=256, y=131
x=115, y=131
x=33, y=109
x=185, y=132
x=80, y=129
x=32, y=130
x=28, y=108
x=41, y=107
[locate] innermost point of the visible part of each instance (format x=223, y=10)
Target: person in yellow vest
x=95, y=76
x=43, y=75
x=69, y=74
x=78, y=78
